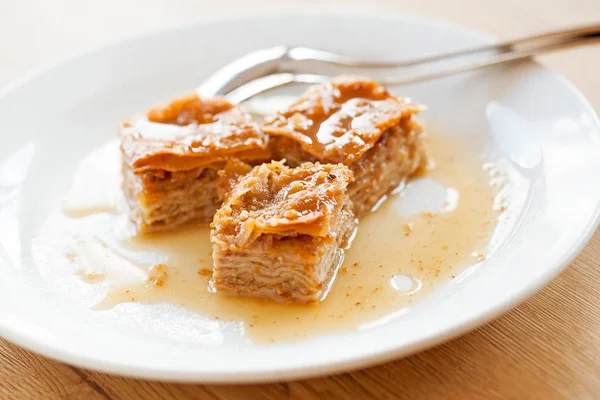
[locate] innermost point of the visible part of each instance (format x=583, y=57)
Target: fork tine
x=243, y=70
x=271, y=82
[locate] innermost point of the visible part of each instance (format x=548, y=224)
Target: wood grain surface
x=547, y=348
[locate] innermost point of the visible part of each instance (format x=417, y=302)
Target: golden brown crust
x=191, y=132
x=339, y=121
x=188, y=109
x=274, y=199
x=231, y=173
x=397, y=155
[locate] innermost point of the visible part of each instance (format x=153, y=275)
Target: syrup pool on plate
x=432, y=229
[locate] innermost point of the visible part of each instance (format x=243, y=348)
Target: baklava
x=281, y=232
x=356, y=122
x=171, y=156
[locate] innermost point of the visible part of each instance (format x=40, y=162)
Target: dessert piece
x=356, y=122
x=171, y=156
x=281, y=231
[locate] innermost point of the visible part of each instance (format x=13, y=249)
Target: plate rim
x=28, y=341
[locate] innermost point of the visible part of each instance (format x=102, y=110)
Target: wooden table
x=547, y=348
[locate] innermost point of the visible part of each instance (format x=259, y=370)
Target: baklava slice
x=281, y=232
x=171, y=156
x=356, y=122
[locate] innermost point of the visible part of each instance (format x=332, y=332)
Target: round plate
x=544, y=130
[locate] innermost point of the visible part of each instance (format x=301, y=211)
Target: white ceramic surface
x=530, y=119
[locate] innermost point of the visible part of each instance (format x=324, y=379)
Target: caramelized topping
x=339, y=121
x=231, y=173
x=191, y=132
x=275, y=199
x=189, y=109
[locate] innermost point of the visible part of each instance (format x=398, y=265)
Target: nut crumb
x=95, y=276
x=479, y=256
x=157, y=279
x=71, y=255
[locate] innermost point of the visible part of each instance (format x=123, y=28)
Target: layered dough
x=172, y=154
x=281, y=231
x=356, y=122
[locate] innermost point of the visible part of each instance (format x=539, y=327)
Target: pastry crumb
x=479, y=256
x=95, y=276
x=157, y=279
x=204, y=272
x=71, y=255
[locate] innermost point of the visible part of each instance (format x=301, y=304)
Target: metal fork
x=268, y=69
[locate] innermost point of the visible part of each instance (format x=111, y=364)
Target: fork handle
x=565, y=35
x=513, y=55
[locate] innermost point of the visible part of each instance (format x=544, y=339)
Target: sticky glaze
x=430, y=242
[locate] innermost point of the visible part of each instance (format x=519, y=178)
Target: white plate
x=547, y=133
